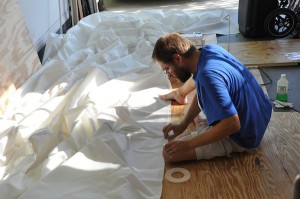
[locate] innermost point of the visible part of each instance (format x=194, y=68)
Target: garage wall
x=43, y=17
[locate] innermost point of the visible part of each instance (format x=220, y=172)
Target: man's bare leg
x=180, y=94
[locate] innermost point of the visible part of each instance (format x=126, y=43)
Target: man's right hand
x=177, y=129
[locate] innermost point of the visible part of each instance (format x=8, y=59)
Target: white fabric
x=88, y=123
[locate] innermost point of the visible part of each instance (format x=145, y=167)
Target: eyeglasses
x=166, y=69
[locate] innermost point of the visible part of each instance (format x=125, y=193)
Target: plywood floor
x=265, y=53
x=18, y=58
x=267, y=172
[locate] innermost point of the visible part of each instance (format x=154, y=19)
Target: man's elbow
x=235, y=123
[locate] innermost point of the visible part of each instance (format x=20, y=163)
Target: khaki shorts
x=222, y=148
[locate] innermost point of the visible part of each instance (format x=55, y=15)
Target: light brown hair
x=170, y=44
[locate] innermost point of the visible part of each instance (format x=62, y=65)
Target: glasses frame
x=166, y=69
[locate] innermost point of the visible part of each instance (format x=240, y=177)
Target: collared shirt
x=225, y=87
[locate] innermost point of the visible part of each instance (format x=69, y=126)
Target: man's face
x=177, y=71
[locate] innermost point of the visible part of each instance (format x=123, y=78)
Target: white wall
x=42, y=18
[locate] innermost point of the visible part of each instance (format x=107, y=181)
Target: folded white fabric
x=88, y=123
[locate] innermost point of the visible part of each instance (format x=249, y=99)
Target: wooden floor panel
x=265, y=53
x=267, y=172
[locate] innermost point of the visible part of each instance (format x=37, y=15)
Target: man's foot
x=174, y=95
x=200, y=123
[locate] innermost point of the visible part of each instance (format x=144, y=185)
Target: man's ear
x=177, y=59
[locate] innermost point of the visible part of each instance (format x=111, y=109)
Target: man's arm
x=192, y=112
x=221, y=130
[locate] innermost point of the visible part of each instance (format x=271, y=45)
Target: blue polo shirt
x=225, y=87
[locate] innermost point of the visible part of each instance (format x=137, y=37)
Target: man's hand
x=177, y=146
x=175, y=95
x=177, y=129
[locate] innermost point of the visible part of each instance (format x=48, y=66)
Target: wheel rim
x=281, y=24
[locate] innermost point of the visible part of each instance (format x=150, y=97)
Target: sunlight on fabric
x=100, y=94
x=54, y=161
x=5, y=129
x=42, y=114
x=3, y=144
x=5, y=96
x=81, y=162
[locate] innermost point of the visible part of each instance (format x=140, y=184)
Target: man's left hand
x=176, y=146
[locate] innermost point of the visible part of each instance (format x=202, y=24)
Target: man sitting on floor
x=236, y=108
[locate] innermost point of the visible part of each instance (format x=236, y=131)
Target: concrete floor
x=170, y=4
x=292, y=74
